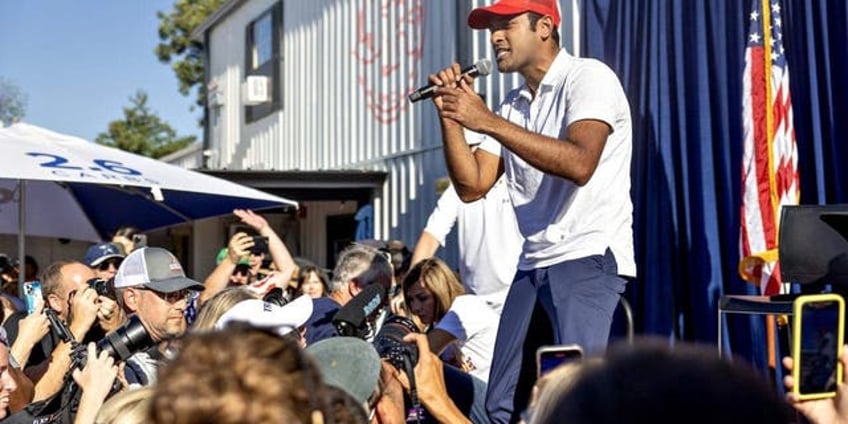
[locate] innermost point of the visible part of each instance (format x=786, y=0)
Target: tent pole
x=21, y=236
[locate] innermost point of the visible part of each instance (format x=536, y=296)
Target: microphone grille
x=484, y=67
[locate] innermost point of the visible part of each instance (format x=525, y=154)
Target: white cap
x=261, y=314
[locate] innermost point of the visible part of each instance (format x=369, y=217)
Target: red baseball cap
x=480, y=17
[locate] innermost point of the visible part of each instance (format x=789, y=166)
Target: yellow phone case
x=796, y=338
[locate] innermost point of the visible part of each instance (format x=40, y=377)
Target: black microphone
x=351, y=318
x=482, y=68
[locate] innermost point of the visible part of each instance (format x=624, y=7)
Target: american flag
x=770, y=160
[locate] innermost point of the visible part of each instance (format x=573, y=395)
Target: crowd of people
x=540, y=200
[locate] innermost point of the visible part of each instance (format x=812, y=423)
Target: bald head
x=59, y=280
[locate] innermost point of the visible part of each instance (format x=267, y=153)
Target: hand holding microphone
x=458, y=105
x=482, y=67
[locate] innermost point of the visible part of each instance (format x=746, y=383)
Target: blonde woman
x=460, y=327
x=127, y=407
x=217, y=305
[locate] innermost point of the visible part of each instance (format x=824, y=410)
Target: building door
x=340, y=232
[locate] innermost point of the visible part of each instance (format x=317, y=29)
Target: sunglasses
x=173, y=297
x=242, y=270
x=114, y=262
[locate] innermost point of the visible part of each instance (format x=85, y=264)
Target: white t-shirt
x=489, y=240
x=475, y=326
x=560, y=220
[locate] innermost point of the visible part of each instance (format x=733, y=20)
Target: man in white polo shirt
x=563, y=140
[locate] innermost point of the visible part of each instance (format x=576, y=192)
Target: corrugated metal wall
x=347, y=66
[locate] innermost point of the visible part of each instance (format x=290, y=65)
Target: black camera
x=120, y=343
x=390, y=345
x=276, y=296
x=103, y=287
x=126, y=340
x=260, y=245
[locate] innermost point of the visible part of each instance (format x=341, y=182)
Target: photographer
x=358, y=266
x=151, y=285
x=104, y=259
x=96, y=380
x=355, y=279
x=241, y=246
x=66, y=291
x=460, y=327
x=442, y=384
x=430, y=383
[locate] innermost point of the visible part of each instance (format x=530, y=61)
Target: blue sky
x=80, y=61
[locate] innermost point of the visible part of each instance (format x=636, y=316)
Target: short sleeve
x=593, y=93
x=443, y=217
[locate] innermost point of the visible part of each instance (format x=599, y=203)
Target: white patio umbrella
x=56, y=185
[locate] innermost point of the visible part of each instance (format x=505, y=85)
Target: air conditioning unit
x=257, y=90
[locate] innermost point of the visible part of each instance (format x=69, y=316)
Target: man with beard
x=152, y=285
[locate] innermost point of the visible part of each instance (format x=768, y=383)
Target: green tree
x=13, y=102
x=177, y=47
x=143, y=132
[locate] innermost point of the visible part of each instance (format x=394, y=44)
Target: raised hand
x=35, y=326
x=446, y=79
x=84, y=308
x=239, y=246
x=250, y=218
x=108, y=314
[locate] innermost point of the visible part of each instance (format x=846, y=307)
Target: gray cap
x=348, y=363
x=156, y=269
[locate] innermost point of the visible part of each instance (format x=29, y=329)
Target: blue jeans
x=571, y=302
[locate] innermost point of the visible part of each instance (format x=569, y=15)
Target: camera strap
x=416, y=412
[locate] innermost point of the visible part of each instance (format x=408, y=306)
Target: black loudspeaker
x=813, y=244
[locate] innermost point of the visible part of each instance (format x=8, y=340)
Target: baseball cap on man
x=99, y=252
x=480, y=17
x=156, y=269
x=348, y=363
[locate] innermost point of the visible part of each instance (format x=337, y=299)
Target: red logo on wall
x=389, y=46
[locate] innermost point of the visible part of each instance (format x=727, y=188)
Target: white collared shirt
x=560, y=220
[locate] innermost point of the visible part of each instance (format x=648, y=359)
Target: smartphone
x=818, y=326
x=32, y=293
x=260, y=244
x=550, y=357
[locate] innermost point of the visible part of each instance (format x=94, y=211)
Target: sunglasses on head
x=104, y=266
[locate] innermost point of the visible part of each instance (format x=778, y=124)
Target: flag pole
x=770, y=321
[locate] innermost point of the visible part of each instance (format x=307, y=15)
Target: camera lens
x=276, y=297
x=390, y=345
x=126, y=340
